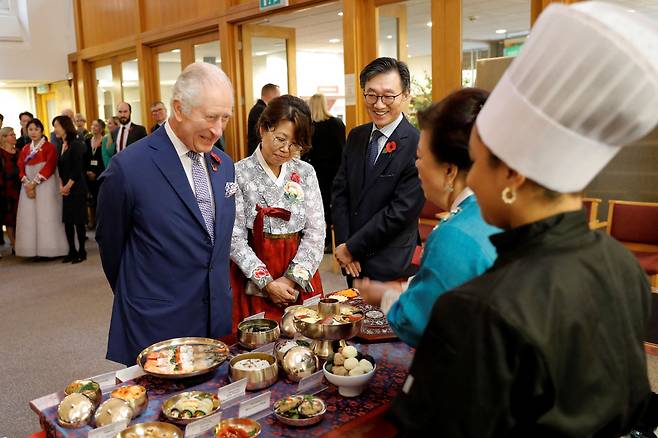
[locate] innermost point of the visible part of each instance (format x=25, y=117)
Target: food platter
x=182, y=357
x=189, y=406
x=300, y=410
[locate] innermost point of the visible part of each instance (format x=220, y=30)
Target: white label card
x=313, y=301
x=109, y=431
x=267, y=348
x=48, y=401
x=106, y=380
x=130, y=373
x=203, y=425
x=255, y=405
x=233, y=390
x=311, y=382
x=260, y=315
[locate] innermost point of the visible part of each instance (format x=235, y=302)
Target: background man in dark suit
x=127, y=132
x=165, y=217
x=267, y=93
x=377, y=196
x=159, y=113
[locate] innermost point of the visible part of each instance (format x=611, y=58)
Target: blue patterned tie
x=373, y=148
x=202, y=192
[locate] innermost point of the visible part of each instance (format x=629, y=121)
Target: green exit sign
x=271, y=4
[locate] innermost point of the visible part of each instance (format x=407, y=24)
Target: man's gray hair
x=193, y=82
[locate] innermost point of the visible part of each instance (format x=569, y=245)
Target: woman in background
x=73, y=187
x=108, y=146
x=39, y=229
x=94, y=165
x=10, y=183
x=327, y=147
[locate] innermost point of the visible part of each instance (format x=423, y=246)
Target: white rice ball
x=349, y=351
x=351, y=363
x=358, y=371
x=366, y=365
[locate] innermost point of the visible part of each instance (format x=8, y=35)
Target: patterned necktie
x=373, y=148
x=202, y=192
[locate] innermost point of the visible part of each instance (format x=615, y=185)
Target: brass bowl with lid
x=88, y=388
x=111, y=411
x=135, y=395
x=299, y=362
x=74, y=411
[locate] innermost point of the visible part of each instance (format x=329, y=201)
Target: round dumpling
x=366, y=365
x=351, y=363
x=339, y=359
x=358, y=371
x=349, y=351
x=339, y=371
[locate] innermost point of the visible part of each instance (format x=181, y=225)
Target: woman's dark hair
x=37, y=123
x=102, y=123
x=67, y=124
x=293, y=109
x=449, y=123
x=384, y=65
x=26, y=113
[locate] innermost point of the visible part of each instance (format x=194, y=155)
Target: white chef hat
x=584, y=84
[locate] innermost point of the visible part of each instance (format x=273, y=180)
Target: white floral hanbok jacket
x=296, y=190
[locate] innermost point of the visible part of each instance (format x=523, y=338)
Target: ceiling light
x=260, y=53
x=389, y=37
x=408, y=56
x=2, y=84
x=631, y=10
x=340, y=14
x=334, y=40
x=407, y=46
x=429, y=24
x=175, y=51
x=501, y=31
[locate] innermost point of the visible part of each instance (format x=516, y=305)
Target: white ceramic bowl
x=349, y=386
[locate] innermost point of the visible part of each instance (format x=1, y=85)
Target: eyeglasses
x=280, y=143
x=387, y=99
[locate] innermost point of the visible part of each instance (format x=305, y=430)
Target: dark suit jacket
x=154, y=127
x=136, y=132
x=253, y=136
x=168, y=279
x=377, y=214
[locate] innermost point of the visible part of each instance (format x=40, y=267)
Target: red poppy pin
x=390, y=147
x=216, y=161
x=294, y=177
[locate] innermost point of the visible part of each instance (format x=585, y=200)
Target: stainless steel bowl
x=329, y=332
x=88, y=388
x=255, y=333
x=256, y=379
x=135, y=395
x=287, y=324
x=111, y=411
x=74, y=411
x=300, y=362
x=170, y=403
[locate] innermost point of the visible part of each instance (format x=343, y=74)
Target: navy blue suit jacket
x=376, y=213
x=168, y=279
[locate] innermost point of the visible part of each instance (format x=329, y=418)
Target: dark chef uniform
x=547, y=343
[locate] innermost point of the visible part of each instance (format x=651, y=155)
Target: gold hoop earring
x=508, y=195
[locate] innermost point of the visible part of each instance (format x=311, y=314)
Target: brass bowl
x=250, y=426
x=170, y=403
x=329, y=332
x=147, y=430
x=268, y=331
x=300, y=362
x=301, y=422
x=256, y=379
x=135, y=395
x=74, y=411
x=111, y=411
x=287, y=323
x=282, y=346
x=88, y=388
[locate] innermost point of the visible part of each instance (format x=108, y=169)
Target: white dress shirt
x=387, y=130
x=186, y=162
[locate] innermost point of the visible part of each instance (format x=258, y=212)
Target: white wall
x=14, y=101
x=48, y=37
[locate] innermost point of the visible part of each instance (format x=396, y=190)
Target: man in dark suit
x=25, y=117
x=165, y=218
x=127, y=132
x=267, y=93
x=377, y=196
x=159, y=113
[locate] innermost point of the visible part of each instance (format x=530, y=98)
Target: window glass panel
x=104, y=96
x=169, y=67
x=208, y=52
x=130, y=87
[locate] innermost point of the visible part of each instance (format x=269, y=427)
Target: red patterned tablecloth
x=393, y=361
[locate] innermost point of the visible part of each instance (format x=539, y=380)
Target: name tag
x=313, y=301
x=203, y=425
x=232, y=391
x=130, y=373
x=94, y=162
x=260, y=315
x=255, y=405
x=310, y=383
x=109, y=431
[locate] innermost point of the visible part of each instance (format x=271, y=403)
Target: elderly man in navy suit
x=377, y=196
x=165, y=217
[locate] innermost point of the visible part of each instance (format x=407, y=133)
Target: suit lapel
x=385, y=158
x=360, y=159
x=169, y=164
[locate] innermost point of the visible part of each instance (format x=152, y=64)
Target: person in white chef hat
x=549, y=341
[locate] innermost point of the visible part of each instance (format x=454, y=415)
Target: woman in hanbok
x=278, y=237
x=39, y=227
